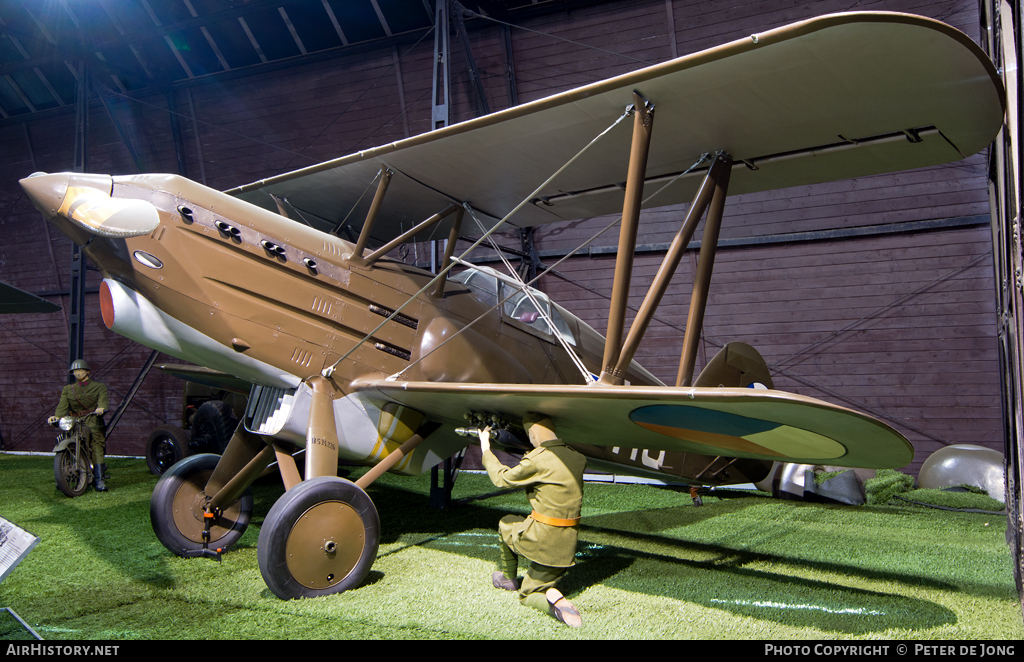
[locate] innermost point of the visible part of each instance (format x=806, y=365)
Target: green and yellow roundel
x=733, y=433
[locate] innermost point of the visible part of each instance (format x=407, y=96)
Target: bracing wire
x=544, y=313
x=338, y=227
x=547, y=271
x=328, y=371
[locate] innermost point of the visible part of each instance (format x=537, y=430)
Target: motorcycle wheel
x=72, y=477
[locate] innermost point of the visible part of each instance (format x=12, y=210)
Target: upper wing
x=833, y=97
x=735, y=422
x=13, y=300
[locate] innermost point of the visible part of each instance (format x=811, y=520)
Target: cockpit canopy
x=526, y=308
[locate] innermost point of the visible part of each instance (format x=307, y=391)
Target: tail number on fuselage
x=645, y=458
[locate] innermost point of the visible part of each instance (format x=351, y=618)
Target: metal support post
x=405, y=236
x=179, y=147
x=322, y=430
x=76, y=304
x=510, y=67
x=238, y=483
x=702, y=279
x=669, y=265
x=391, y=460
x=82, y=119
x=440, y=98
x=76, y=307
x=643, y=122
x=474, y=77
x=132, y=390
x=371, y=215
x=530, y=264
x=449, y=250
x=441, y=94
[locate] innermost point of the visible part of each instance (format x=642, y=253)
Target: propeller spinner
x=85, y=200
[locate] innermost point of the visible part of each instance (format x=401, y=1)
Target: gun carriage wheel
x=320, y=538
x=212, y=427
x=177, y=509
x=166, y=445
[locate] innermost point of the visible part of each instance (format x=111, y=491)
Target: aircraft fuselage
x=233, y=287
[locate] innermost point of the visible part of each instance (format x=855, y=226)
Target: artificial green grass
x=649, y=565
x=886, y=485
x=889, y=485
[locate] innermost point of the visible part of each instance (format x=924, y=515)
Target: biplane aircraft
x=352, y=355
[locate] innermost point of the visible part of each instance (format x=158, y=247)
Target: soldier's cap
x=532, y=418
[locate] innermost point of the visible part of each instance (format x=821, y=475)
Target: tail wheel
x=320, y=538
x=71, y=475
x=178, y=505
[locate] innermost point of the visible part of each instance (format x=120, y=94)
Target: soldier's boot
x=97, y=481
x=562, y=609
x=103, y=471
x=507, y=577
x=500, y=580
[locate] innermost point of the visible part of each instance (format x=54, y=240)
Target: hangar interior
x=890, y=294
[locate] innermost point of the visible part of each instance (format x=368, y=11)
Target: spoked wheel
x=71, y=475
x=320, y=538
x=178, y=504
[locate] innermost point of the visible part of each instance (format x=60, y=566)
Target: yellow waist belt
x=554, y=521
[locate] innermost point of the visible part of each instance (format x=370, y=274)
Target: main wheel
x=320, y=538
x=71, y=476
x=177, y=508
x=166, y=445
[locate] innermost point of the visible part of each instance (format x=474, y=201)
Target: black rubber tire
x=317, y=494
x=175, y=510
x=167, y=445
x=212, y=427
x=72, y=480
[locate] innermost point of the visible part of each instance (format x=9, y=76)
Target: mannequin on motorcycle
x=84, y=397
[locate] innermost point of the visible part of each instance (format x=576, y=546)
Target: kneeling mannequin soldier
x=86, y=396
x=552, y=474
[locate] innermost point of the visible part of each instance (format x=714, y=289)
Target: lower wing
x=735, y=422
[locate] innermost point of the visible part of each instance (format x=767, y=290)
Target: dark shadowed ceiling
x=136, y=44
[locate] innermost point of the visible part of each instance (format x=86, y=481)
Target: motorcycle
x=72, y=461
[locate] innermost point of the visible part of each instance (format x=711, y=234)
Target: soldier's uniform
x=553, y=477
x=85, y=397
